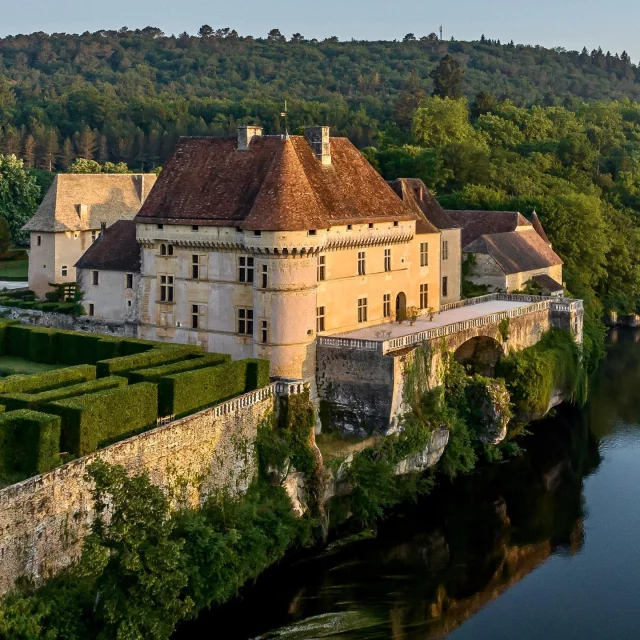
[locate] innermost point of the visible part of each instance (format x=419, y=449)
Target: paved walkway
x=390, y=330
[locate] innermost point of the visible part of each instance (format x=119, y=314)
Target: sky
x=571, y=24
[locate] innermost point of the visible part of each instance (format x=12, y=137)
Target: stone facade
x=113, y=297
x=450, y=265
x=44, y=519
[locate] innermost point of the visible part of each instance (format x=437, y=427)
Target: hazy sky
x=566, y=23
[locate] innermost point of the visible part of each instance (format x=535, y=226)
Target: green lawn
x=14, y=269
x=10, y=366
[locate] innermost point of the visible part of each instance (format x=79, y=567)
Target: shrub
x=154, y=357
x=96, y=419
x=43, y=346
x=77, y=348
x=155, y=373
x=3, y=334
x=17, y=340
x=37, y=400
x=184, y=393
x=52, y=296
x=48, y=380
x=29, y=442
x=257, y=374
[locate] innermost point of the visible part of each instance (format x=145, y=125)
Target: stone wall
x=71, y=323
x=44, y=519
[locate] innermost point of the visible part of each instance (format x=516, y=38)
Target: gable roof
x=414, y=191
x=277, y=184
x=548, y=283
x=516, y=251
x=115, y=249
x=108, y=196
x=477, y=223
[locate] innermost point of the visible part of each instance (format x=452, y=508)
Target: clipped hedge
x=35, y=401
x=43, y=345
x=17, y=340
x=4, y=325
x=29, y=442
x=145, y=360
x=77, y=348
x=48, y=380
x=257, y=374
x=96, y=419
x=184, y=393
x=154, y=374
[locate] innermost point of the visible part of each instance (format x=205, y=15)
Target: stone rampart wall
x=71, y=323
x=44, y=519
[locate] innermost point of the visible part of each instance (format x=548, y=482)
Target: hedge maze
x=111, y=389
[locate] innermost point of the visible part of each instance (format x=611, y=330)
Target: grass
x=14, y=269
x=10, y=365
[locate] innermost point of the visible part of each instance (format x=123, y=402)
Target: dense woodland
x=125, y=96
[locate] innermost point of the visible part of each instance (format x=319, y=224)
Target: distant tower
x=440, y=33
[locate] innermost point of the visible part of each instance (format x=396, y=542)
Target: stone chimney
x=246, y=134
x=318, y=139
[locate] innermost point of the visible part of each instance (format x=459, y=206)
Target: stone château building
x=69, y=220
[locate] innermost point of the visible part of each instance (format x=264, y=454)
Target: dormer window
x=82, y=210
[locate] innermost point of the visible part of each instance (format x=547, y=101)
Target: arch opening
x=479, y=355
x=401, y=306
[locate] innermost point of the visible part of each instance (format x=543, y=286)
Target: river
x=543, y=546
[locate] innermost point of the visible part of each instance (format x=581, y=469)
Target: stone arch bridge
x=361, y=375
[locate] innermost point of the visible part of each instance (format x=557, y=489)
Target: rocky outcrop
x=494, y=405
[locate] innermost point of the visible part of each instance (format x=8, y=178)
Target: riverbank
x=540, y=546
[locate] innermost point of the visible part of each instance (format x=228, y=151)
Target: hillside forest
x=484, y=124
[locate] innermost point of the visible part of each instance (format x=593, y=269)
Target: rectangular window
x=129, y=280
x=160, y=226
x=92, y=309
x=361, y=263
x=198, y=267
x=39, y=240
x=319, y=319
x=265, y=277
x=424, y=254
x=424, y=296
x=322, y=268
x=166, y=249
x=362, y=309
x=166, y=288
x=445, y=287
x=198, y=316
x=245, y=321
x=245, y=269
x=194, y=227
x=312, y=232
x=386, y=305
x=95, y=278
x=387, y=259
x=63, y=271
x=264, y=332
x=445, y=249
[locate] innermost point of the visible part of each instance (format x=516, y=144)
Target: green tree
x=410, y=99
x=448, y=78
x=81, y=165
x=5, y=235
x=137, y=563
x=19, y=194
x=442, y=121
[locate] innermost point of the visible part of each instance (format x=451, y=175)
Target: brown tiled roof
x=537, y=225
x=548, y=283
x=108, y=196
x=477, y=223
x=116, y=249
x=278, y=184
x=516, y=251
x=415, y=191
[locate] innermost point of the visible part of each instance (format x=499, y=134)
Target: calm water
x=546, y=546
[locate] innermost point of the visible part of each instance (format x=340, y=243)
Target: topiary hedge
x=43, y=346
x=36, y=401
x=184, y=393
x=96, y=419
x=48, y=380
x=257, y=374
x=154, y=374
x=145, y=360
x=17, y=340
x=29, y=442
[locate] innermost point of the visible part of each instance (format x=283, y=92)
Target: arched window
x=163, y=249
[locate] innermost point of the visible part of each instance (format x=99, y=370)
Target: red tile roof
x=537, y=225
x=278, y=184
x=115, y=249
x=414, y=191
x=477, y=223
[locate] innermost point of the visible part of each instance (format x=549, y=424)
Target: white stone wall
x=111, y=298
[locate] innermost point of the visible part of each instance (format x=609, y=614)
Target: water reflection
x=435, y=565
